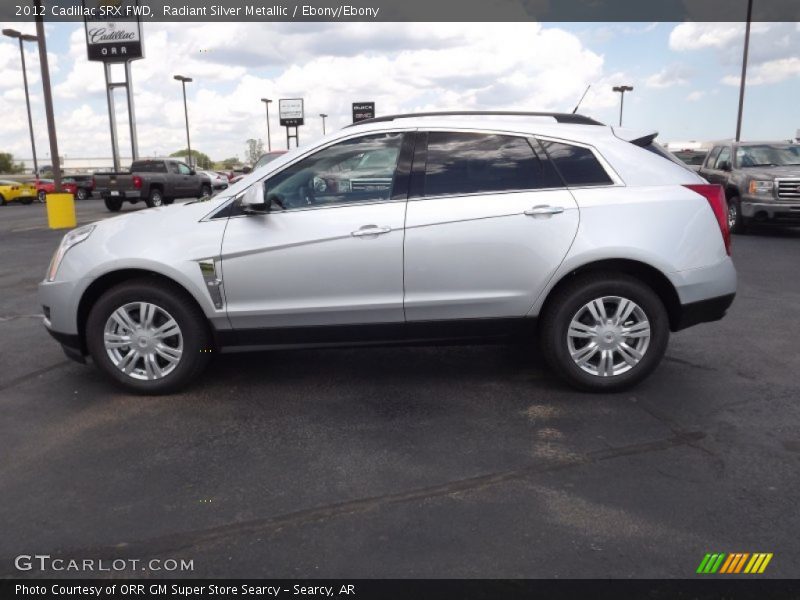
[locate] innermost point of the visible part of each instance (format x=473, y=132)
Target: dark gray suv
x=761, y=181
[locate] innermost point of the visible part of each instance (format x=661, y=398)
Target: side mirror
x=252, y=201
x=192, y=172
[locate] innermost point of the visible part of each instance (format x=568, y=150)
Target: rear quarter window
x=149, y=166
x=578, y=166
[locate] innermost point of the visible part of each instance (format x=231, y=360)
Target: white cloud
x=773, y=71
x=696, y=96
x=402, y=67
x=669, y=76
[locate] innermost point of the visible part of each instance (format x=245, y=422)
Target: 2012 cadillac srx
x=425, y=228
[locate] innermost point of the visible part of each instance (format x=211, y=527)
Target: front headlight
x=76, y=236
x=761, y=187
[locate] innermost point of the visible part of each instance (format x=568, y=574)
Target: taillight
x=716, y=200
x=137, y=182
x=94, y=183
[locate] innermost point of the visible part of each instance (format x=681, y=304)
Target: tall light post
x=267, y=102
x=324, y=116
x=55, y=161
x=622, y=89
x=744, y=70
x=184, y=81
x=13, y=33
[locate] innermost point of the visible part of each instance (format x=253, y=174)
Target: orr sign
x=110, y=36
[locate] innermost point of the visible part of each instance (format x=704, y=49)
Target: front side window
x=183, y=169
x=469, y=163
x=724, y=157
x=578, y=166
x=356, y=170
x=712, y=157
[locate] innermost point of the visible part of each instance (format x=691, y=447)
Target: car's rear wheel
x=205, y=191
x=82, y=194
x=736, y=222
x=149, y=336
x=113, y=204
x=155, y=199
x=41, y=196
x=604, y=332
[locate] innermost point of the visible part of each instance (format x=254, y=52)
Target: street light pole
x=744, y=70
x=267, y=102
x=622, y=89
x=324, y=116
x=184, y=81
x=26, y=38
x=48, y=97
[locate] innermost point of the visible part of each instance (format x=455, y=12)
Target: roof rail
x=559, y=117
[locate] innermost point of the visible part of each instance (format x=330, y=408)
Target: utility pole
x=324, y=116
x=48, y=97
x=744, y=70
x=267, y=102
x=184, y=81
x=622, y=89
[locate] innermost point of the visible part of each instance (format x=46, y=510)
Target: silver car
x=443, y=227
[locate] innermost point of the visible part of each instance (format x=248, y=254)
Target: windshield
x=767, y=155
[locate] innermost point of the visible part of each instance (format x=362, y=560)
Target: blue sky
x=685, y=78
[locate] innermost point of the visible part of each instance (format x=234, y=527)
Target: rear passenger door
x=488, y=222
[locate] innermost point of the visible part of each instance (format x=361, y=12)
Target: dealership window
x=470, y=163
x=356, y=170
x=578, y=166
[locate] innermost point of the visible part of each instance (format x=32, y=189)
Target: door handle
x=370, y=230
x=544, y=210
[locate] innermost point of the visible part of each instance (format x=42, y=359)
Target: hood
x=792, y=171
x=164, y=216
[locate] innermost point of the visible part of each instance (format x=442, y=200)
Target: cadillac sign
x=108, y=38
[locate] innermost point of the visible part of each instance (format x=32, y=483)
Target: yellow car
x=14, y=191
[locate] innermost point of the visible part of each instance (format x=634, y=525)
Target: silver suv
x=444, y=227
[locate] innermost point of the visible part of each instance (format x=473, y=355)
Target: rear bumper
x=703, y=311
x=123, y=195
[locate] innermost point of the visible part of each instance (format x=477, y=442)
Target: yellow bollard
x=61, y=211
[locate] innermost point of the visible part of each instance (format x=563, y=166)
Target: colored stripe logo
x=737, y=562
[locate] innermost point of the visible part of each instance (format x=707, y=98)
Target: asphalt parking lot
x=412, y=462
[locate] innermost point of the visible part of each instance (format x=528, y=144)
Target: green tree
x=229, y=163
x=199, y=160
x=253, y=151
x=7, y=164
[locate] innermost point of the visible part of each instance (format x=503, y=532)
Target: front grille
x=789, y=189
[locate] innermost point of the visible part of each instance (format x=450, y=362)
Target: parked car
x=84, y=183
x=15, y=191
x=48, y=186
x=761, y=181
x=154, y=181
x=268, y=158
x=218, y=181
x=693, y=159
x=554, y=227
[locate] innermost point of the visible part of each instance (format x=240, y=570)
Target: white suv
x=422, y=228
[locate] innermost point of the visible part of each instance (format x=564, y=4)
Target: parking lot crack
x=180, y=541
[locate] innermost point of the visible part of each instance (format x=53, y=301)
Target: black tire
x=2, y=200
x=26, y=200
x=82, y=194
x=113, y=204
x=155, y=199
x=168, y=201
x=197, y=341
x=736, y=222
x=41, y=196
x=565, y=304
x=205, y=190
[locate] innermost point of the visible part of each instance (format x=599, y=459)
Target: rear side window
x=149, y=166
x=578, y=166
x=469, y=163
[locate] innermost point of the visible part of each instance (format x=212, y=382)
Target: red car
x=47, y=186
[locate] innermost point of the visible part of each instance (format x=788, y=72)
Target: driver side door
x=333, y=256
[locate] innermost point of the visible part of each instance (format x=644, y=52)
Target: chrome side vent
x=209, y=270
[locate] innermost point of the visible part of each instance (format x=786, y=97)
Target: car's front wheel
x=736, y=222
x=604, y=332
x=149, y=336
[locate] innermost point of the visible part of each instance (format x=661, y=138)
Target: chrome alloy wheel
x=608, y=336
x=143, y=341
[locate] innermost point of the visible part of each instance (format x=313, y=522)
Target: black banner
x=406, y=589
x=417, y=10
x=363, y=111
